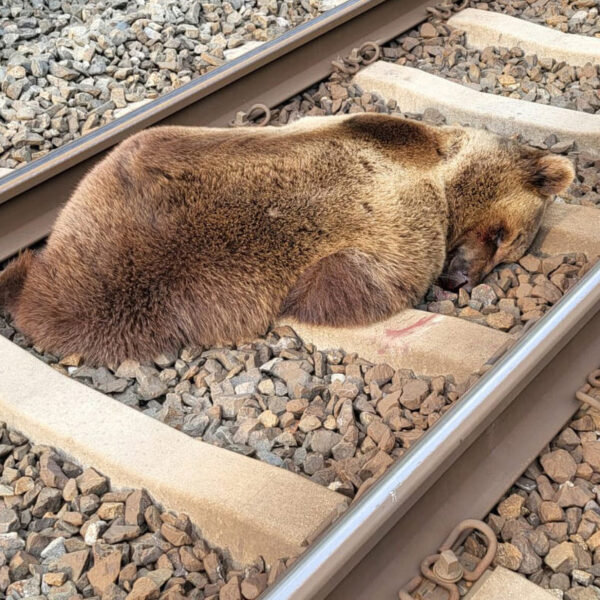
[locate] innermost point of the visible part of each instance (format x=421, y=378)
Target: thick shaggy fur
x=193, y=235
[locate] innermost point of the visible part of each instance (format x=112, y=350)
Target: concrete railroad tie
x=415, y=91
x=241, y=504
x=486, y=28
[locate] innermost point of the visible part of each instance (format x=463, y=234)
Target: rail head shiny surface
x=411, y=476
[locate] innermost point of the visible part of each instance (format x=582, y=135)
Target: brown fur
x=192, y=235
x=12, y=280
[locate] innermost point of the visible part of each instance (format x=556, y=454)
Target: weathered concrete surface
x=427, y=343
x=487, y=28
x=503, y=584
x=569, y=228
x=241, y=504
x=416, y=90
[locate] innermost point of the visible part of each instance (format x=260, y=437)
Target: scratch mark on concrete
x=399, y=333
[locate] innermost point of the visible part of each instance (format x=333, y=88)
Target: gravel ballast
x=580, y=16
x=329, y=416
x=514, y=296
x=548, y=524
x=65, y=534
x=500, y=70
x=67, y=68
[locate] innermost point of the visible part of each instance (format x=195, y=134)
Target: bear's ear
x=549, y=174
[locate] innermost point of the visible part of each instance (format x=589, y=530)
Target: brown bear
x=185, y=235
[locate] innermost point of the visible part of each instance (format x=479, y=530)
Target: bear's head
x=497, y=191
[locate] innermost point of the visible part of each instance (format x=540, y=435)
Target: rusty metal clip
x=583, y=395
x=444, y=10
x=346, y=66
x=243, y=119
x=444, y=569
x=365, y=49
x=366, y=54
x=488, y=534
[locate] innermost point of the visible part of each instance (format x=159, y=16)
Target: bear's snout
x=456, y=273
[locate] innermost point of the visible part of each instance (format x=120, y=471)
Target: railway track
x=521, y=374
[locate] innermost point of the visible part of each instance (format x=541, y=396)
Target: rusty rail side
x=31, y=196
x=462, y=466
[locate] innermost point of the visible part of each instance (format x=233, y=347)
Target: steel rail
x=479, y=428
x=32, y=195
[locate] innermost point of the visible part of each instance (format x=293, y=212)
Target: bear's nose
x=454, y=280
x=456, y=274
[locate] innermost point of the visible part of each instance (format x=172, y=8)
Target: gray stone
x=10, y=543
x=54, y=550
x=323, y=441
x=485, y=294
x=9, y=520
x=48, y=500
x=149, y=384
